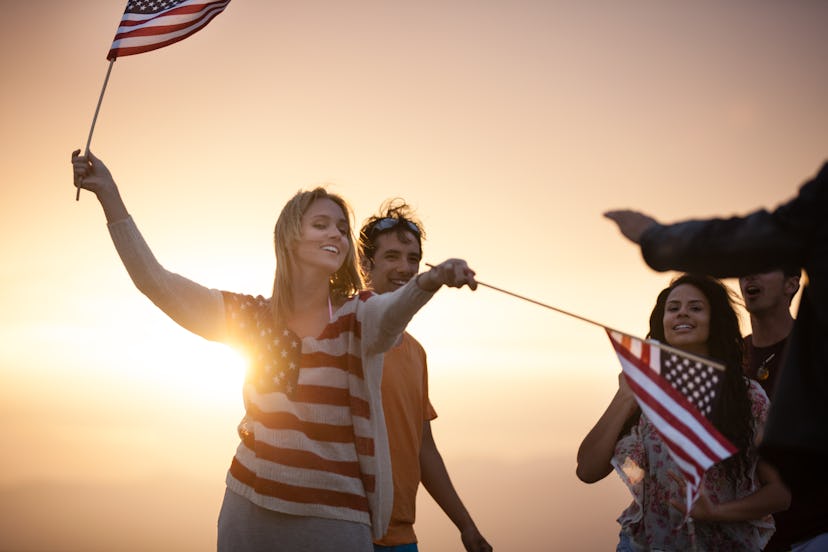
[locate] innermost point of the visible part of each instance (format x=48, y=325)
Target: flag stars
x=274, y=351
x=692, y=378
x=144, y=6
x=668, y=370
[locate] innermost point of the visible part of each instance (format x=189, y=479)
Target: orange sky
x=510, y=126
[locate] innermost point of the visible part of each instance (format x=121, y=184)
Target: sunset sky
x=510, y=126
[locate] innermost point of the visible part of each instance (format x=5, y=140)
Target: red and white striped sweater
x=314, y=441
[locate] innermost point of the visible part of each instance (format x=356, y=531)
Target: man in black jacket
x=794, y=234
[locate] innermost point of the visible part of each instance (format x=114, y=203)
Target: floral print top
x=651, y=523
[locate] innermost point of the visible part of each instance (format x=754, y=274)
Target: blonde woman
x=312, y=470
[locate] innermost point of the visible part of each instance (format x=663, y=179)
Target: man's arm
x=729, y=247
x=436, y=480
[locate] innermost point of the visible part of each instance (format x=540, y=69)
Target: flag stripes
x=692, y=441
x=142, y=29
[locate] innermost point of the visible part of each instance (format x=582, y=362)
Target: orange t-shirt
x=406, y=405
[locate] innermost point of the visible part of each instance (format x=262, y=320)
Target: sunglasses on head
x=388, y=223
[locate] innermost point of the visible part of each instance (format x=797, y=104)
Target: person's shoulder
x=412, y=341
x=354, y=301
x=364, y=295
x=816, y=188
x=756, y=393
x=408, y=345
x=754, y=386
x=245, y=302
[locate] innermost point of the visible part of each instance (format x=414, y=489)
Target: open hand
x=632, y=224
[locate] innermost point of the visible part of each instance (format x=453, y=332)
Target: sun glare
x=191, y=367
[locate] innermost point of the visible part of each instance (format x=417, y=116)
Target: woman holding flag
x=312, y=470
x=736, y=496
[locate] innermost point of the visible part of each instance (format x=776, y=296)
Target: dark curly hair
x=395, y=215
x=732, y=413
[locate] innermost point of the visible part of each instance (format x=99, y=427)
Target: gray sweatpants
x=246, y=527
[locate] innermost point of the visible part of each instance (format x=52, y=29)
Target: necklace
x=762, y=372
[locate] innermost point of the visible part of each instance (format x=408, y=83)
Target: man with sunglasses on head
x=391, y=251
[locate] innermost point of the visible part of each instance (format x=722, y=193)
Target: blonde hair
x=344, y=283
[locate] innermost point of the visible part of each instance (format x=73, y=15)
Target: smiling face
x=687, y=319
x=323, y=241
x=395, y=261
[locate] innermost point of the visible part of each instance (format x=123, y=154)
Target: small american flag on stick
x=673, y=389
x=676, y=390
x=151, y=24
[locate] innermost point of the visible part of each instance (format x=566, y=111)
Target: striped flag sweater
x=313, y=438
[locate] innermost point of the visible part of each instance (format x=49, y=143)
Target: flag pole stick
x=664, y=346
x=550, y=307
x=94, y=120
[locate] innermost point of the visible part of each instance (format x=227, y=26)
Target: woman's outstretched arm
x=193, y=306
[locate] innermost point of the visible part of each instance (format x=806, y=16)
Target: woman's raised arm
x=597, y=448
x=193, y=306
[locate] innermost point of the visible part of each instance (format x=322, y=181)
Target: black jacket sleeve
x=760, y=241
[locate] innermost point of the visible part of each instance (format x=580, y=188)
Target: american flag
x=675, y=390
x=151, y=24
